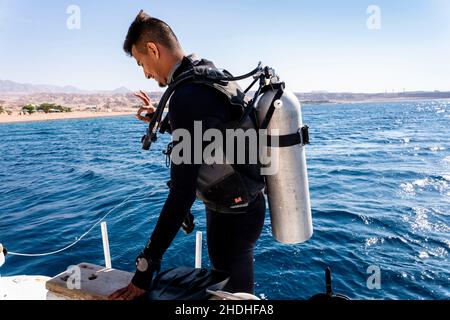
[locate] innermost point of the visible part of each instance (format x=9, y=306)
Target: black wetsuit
x=231, y=237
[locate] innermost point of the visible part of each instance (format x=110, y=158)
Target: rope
x=78, y=239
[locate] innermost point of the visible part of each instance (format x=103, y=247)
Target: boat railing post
x=106, y=245
x=198, y=250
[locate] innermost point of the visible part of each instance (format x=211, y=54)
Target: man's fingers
x=124, y=296
x=146, y=101
x=138, y=94
x=127, y=295
x=143, y=98
x=116, y=295
x=147, y=109
x=141, y=118
x=147, y=97
x=145, y=94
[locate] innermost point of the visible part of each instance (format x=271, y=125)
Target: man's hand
x=128, y=293
x=148, y=107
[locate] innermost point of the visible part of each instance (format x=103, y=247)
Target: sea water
x=380, y=189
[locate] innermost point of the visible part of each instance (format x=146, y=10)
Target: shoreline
x=75, y=115
x=42, y=117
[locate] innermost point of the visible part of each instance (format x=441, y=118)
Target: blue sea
x=380, y=191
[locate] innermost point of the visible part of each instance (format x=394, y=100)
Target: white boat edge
x=26, y=288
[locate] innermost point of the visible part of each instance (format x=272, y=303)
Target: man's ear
x=153, y=49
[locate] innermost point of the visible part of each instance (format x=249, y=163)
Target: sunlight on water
x=436, y=148
x=420, y=221
x=374, y=241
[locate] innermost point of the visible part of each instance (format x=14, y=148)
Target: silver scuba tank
x=288, y=186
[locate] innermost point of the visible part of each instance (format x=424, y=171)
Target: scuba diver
x=232, y=230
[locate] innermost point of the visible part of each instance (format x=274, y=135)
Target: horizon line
x=94, y=91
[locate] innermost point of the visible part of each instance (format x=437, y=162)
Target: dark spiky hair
x=148, y=29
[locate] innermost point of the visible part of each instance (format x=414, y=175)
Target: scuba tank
x=288, y=188
x=273, y=109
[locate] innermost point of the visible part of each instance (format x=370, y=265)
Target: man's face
x=149, y=60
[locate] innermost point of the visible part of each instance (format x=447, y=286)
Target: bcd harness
x=226, y=187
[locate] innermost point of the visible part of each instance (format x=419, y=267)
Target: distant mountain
x=121, y=90
x=7, y=86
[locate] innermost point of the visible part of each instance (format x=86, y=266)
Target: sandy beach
x=4, y=118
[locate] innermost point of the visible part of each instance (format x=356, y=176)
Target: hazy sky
x=314, y=45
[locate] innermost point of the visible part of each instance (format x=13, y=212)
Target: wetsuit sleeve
x=190, y=103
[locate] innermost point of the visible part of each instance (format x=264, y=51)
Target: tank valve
x=278, y=104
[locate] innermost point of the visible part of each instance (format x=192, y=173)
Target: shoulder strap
x=204, y=72
x=201, y=73
x=154, y=125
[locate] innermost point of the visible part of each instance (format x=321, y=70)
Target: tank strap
x=299, y=138
x=272, y=108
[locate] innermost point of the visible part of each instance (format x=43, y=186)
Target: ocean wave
x=436, y=183
x=89, y=174
x=373, y=241
x=436, y=148
x=433, y=253
x=342, y=214
x=438, y=252
x=447, y=242
x=353, y=172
